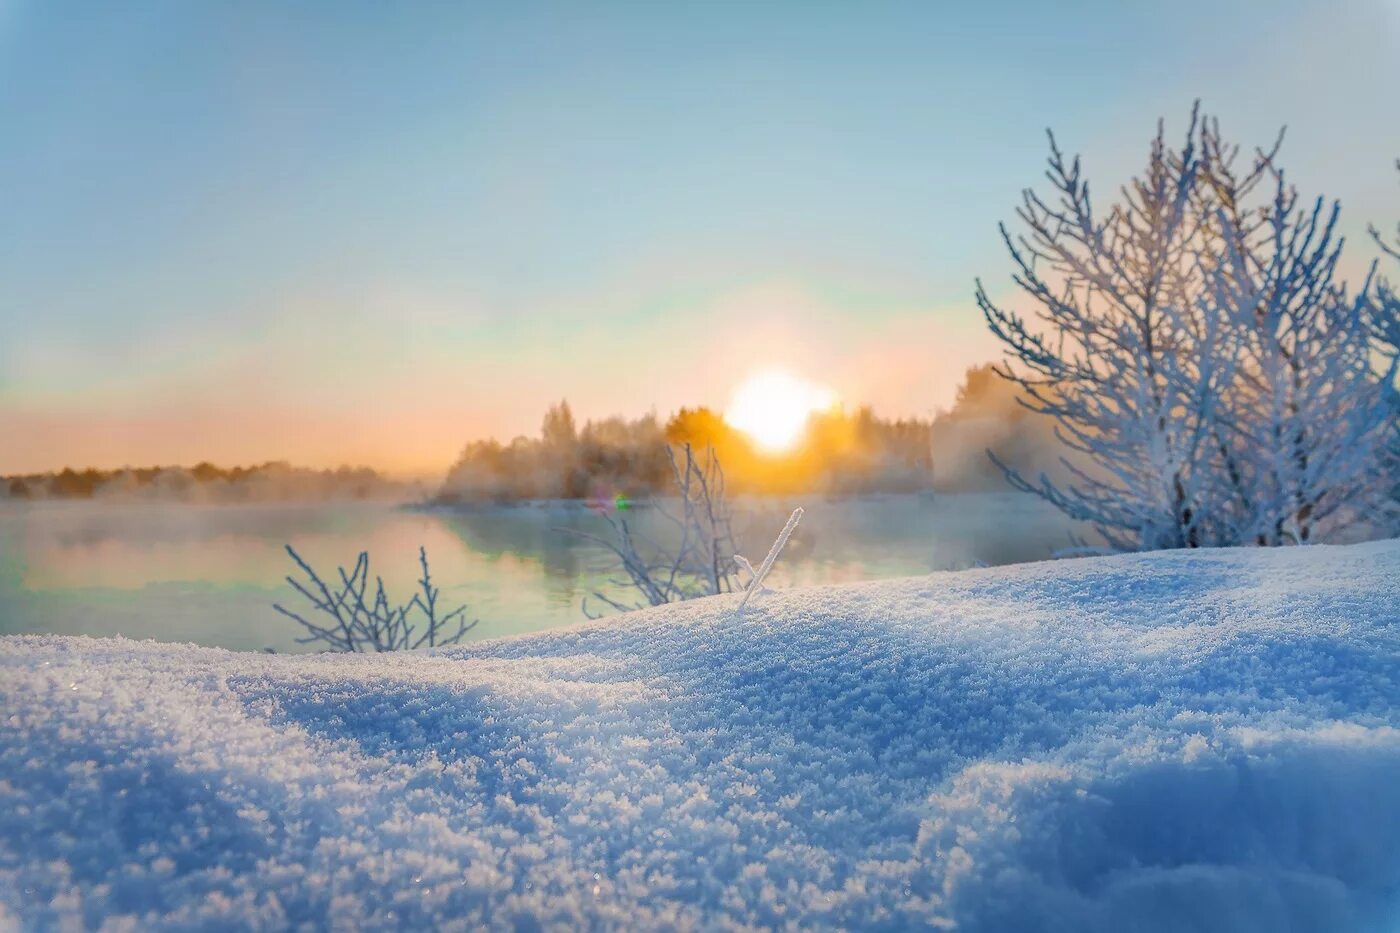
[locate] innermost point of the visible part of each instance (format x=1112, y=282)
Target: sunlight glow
x=773, y=406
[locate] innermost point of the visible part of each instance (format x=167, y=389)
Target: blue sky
x=368, y=232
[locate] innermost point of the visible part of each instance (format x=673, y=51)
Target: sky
x=367, y=232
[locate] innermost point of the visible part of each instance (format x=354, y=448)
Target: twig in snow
x=757, y=582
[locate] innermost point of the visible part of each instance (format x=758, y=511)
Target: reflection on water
x=209, y=574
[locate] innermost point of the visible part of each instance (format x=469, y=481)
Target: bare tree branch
x=373, y=624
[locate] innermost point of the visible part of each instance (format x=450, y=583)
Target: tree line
x=205, y=482
x=840, y=452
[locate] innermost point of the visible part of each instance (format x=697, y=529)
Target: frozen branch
x=351, y=621
x=699, y=563
x=756, y=578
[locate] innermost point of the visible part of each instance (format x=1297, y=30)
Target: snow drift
x=1204, y=741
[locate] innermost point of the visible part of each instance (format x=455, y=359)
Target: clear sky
x=368, y=232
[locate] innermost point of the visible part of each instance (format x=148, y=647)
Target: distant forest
x=207, y=483
x=841, y=452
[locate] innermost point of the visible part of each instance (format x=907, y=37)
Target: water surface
x=210, y=574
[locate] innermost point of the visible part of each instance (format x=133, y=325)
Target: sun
x=773, y=406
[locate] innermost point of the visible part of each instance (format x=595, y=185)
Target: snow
x=1173, y=741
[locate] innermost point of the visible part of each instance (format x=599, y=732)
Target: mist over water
x=210, y=574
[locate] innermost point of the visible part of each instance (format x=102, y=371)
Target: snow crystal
x=1205, y=741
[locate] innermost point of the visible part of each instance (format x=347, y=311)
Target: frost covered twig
x=354, y=623
x=756, y=579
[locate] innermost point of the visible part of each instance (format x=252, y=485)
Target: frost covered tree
x=1195, y=350
x=1300, y=428
x=1385, y=311
x=1101, y=353
x=1386, y=307
x=559, y=451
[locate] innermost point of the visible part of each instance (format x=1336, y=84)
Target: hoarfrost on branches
x=1207, y=372
x=354, y=619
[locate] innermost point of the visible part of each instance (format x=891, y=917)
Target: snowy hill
x=1176, y=741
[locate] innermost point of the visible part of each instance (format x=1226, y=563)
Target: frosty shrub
x=351, y=617
x=1385, y=308
x=700, y=562
x=1213, y=379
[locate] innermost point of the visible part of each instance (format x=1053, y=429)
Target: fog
x=210, y=574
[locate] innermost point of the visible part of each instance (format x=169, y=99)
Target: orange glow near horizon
x=253, y=403
x=773, y=407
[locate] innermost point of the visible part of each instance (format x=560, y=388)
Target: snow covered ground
x=1178, y=741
